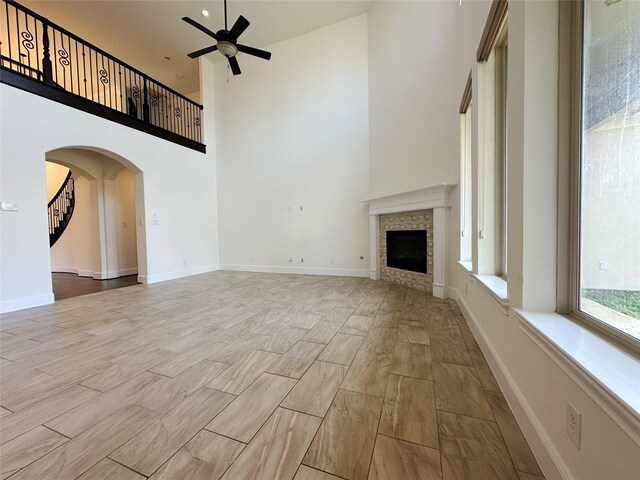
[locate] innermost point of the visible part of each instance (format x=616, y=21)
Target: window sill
x=467, y=267
x=497, y=289
x=609, y=375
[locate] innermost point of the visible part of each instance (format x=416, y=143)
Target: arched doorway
x=103, y=240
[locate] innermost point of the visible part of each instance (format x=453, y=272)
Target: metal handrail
x=99, y=50
x=33, y=46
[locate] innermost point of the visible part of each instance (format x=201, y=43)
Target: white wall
x=293, y=132
x=177, y=193
x=535, y=385
x=126, y=223
x=611, y=235
x=56, y=175
x=412, y=62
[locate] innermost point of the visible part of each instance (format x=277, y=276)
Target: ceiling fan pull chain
x=228, y=67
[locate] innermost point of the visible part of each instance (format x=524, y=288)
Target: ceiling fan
x=227, y=41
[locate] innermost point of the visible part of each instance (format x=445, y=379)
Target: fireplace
x=422, y=209
x=407, y=250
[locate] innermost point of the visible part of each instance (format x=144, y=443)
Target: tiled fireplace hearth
x=421, y=209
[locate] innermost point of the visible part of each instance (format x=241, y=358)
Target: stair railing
x=60, y=209
x=33, y=46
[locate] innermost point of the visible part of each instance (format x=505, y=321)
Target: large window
x=466, y=113
x=608, y=257
x=501, y=53
x=492, y=163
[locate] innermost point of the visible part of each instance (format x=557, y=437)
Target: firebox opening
x=407, y=250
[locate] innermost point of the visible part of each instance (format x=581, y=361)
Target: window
x=492, y=159
x=501, y=53
x=608, y=175
x=466, y=113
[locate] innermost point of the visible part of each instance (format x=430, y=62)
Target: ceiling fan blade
x=202, y=28
x=202, y=51
x=235, y=68
x=254, y=51
x=239, y=27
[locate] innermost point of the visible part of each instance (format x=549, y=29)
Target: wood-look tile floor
x=252, y=376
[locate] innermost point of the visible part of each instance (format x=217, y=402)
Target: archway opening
x=102, y=245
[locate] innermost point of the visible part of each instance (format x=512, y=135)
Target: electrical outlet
x=574, y=424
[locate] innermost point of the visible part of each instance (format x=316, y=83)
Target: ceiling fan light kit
x=227, y=41
x=228, y=49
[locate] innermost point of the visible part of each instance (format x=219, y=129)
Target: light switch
x=10, y=207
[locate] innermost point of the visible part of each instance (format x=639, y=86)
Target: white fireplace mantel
x=435, y=197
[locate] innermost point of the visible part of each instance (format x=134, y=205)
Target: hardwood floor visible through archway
x=68, y=285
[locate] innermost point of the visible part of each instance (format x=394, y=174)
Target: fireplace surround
x=420, y=209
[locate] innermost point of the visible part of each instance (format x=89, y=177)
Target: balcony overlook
x=38, y=56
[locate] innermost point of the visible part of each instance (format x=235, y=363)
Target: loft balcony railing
x=39, y=56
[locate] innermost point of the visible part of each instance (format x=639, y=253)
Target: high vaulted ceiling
x=143, y=33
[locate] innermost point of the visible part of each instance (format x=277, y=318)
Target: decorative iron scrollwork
x=104, y=76
x=63, y=57
x=178, y=112
x=154, y=101
x=56, y=212
x=197, y=121
x=136, y=91
x=27, y=40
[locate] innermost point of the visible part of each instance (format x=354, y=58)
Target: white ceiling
x=142, y=33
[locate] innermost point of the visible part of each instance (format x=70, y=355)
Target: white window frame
x=492, y=162
x=570, y=158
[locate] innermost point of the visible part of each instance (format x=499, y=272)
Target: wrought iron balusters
x=34, y=47
x=60, y=209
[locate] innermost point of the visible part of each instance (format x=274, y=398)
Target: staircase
x=61, y=209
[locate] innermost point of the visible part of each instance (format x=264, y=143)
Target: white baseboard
x=543, y=448
x=452, y=293
x=64, y=270
x=187, y=272
x=80, y=273
x=438, y=290
x=26, y=302
x=114, y=274
x=334, y=272
x=123, y=272
x=96, y=275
